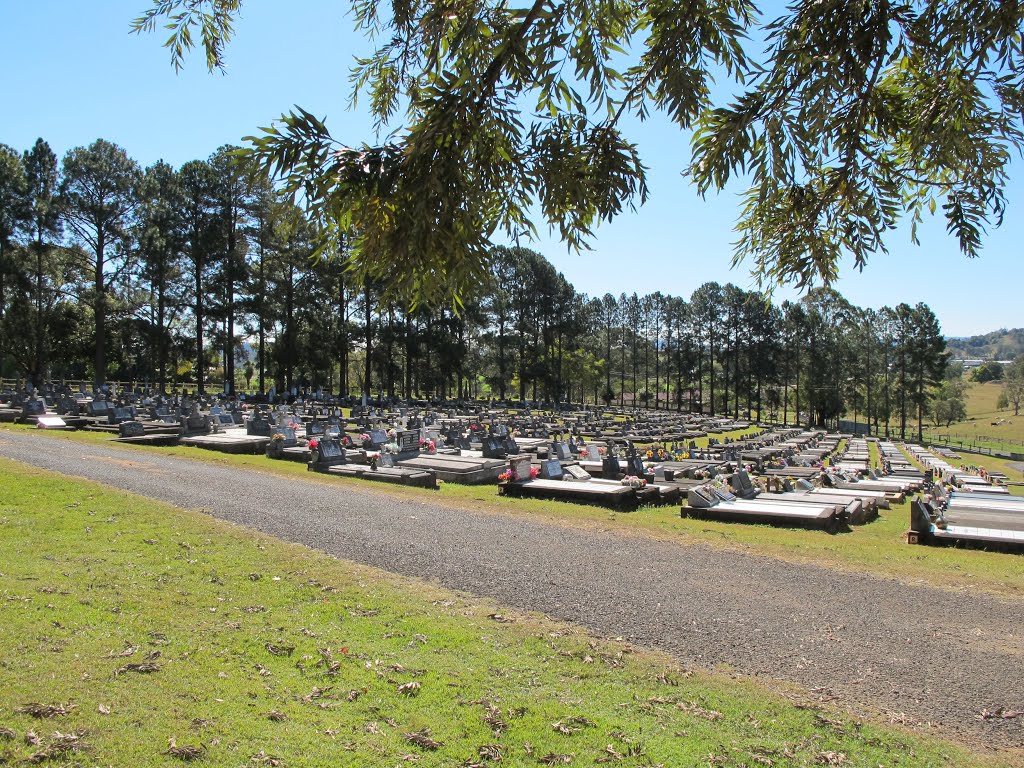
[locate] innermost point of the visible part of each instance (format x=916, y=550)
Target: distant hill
x=997, y=345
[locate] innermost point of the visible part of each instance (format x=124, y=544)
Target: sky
x=72, y=73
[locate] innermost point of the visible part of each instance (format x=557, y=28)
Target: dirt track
x=934, y=655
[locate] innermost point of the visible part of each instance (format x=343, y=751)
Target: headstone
x=593, y=453
x=520, y=466
x=225, y=420
x=378, y=437
x=258, y=426
x=610, y=468
x=131, y=429
x=330, y=452
x=493, y=448
x=408, y=443
x=635, y=466
x=551, y=469
x=510, y=445
x=33, y=407
x=314, y=428
x=386, y=460
x=561, y=451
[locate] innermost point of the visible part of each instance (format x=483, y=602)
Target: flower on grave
x=392, y=432
x=391, y=448
x=602, y=451
x=505, y=476
x=278, y=437
x=364, y=437
x=534, y=473
x=314, y=444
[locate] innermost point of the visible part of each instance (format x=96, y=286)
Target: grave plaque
x=378, y=437
x=576, y=472
x=131, y=429
x=98, y=408
x=225, y=419
x=314, y=428
x=289, y=437
x=593, y=453
x=50, y=422
x=551, y=469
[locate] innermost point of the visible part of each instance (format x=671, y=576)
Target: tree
x=858, y=115
x=987, y=371
x=98, y=201
x=162, y=239
x=1013, y=389
x=13, y=215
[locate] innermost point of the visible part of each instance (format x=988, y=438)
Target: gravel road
x=937, y=656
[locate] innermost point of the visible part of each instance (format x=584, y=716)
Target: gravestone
x=315, y=428
x=493, y=448
x=378, y=437
x=610, y=469
x=290, y=439
x=258, y=426
x=408, y=444
x=386, y=460
x=98, y=408
x=551, y=469
x=561, y=451
x=593, y=453
x=68, y=406
x=510, y=445
x=330, y=452
x=225, y=420
x=131, y=429
x=520, y=466
x=33, y=407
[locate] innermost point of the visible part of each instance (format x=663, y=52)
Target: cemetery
x=618, y=458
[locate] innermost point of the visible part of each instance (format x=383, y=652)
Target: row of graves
x=965, y=507
x=819, y=487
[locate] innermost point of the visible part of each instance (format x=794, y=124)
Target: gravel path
x=934, y=655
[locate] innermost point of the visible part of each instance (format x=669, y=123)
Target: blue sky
x=72, y=73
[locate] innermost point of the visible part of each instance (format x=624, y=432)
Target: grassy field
x=986, y=426
x=135, y=633
x=879, y=547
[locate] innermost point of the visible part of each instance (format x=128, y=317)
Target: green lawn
x=985, y=426
x=879, y=547
x=144, y=624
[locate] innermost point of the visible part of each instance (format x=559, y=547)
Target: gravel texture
x=918, y=653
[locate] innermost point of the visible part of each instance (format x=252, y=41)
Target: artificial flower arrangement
x=391, y=448
x=632, y=481
x=428, y=445
x=372, y=458
x=511, y=476
x=364, y=439
x=314, y=444
x=277, y=438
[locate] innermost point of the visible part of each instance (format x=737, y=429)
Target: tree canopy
x=502, y=118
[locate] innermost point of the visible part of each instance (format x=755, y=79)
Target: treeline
x=996, y=345
x=205, y=273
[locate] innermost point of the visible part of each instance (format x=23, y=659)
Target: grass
x=980, y=427
x=879, y=547
x=149, y=626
